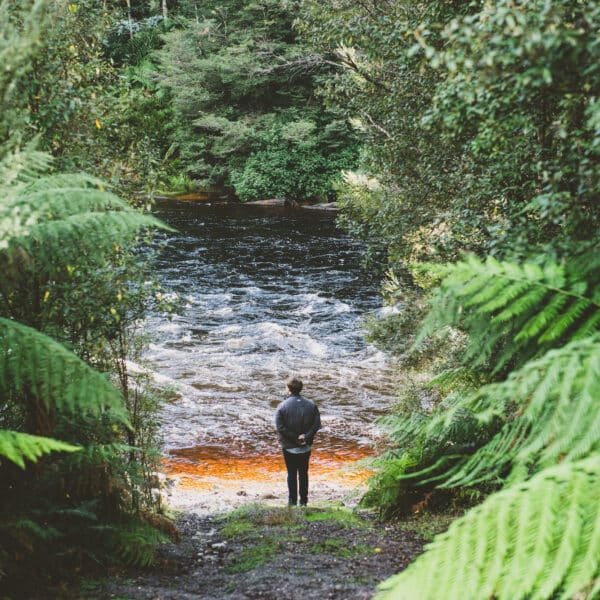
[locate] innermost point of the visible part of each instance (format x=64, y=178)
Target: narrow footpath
x=270, y=552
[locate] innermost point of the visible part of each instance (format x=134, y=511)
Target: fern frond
x=135, y=542
x=32, y=363
x=52, y=203
x=516, y=312
x=92, y=231
x=18, y=447
x=17, y=527
x=539, y=539
x=403, y=429
x=96, y=454
x=22, y=167
x=53, y=214
x=550, y=409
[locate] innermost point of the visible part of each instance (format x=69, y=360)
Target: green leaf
x=18, y=447
x=534, y=540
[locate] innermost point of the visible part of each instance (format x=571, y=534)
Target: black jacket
x=297, y=415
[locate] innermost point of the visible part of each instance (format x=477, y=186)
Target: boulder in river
x=324, y=206
x=271, y=202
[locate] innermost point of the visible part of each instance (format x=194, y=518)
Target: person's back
x=297, y=420
x=296, y=415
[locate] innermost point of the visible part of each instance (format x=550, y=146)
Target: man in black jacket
x=297, y=420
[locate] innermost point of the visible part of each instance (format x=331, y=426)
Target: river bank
x=205, y=481
x=223, y=496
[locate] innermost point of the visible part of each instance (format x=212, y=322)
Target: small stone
x=268, y=497
x=219, y=545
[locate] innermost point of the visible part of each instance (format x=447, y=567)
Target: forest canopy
x=461, y=141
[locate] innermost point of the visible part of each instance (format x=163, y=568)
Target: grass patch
x=254, y=557
x=251, y=517
x=429, y=524
x=238, y=528
x=344, y=517
x=342, y=549
x=267, y=529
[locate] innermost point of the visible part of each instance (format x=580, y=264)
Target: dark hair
x=294, y=385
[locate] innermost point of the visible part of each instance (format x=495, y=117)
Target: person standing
x=297, y=420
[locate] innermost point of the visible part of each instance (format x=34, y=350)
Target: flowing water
x=269, y=293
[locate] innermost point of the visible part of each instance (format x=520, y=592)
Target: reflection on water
x=203, y=466
x=269, y=293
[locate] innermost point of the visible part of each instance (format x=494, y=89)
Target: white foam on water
x=263, y=304
x=227, y=330
x=168, y=326
x=225, y=311
x=342, y=307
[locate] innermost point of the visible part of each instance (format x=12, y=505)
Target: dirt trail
x=273, y=553
x=240, y=541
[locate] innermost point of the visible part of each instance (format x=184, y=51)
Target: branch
x=377, y=126
x=349, y=62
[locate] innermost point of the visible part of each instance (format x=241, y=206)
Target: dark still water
x=269, y=293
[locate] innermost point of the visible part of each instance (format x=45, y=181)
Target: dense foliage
x=476, y=127
x=71, y=291
x=482, y=123
x=482, y=136
x=247, y=116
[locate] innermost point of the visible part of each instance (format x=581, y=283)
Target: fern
x=97, y=454
x=30, y=526
x=17, y=447
x=62, y=215
x=21, y=167
x=516, y=312
x=540, y=536
x=549, y=409
x=32, y=363
x=134, y=542
x=538, y=539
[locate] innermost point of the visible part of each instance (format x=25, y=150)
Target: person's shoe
x=302, y=504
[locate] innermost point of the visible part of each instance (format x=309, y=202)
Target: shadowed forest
x=459, y=143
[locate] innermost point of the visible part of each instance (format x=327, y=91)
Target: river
x=268, y=293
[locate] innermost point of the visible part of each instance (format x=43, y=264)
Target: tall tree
x=481, y=127
x=248, y=118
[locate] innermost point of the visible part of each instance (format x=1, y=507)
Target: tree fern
x=550, y=413
x=540, y=536
x=20, y=167
x=548, y=410
x=34, y=364
x=134, y=542
x=62, y=215
x=535, y=540
x=516, y=312
x=18, y=447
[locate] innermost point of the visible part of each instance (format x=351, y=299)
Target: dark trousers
x=297, y=469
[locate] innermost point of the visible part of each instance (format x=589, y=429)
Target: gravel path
x=273, y=553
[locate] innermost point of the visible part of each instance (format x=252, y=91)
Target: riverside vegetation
x=469, y=133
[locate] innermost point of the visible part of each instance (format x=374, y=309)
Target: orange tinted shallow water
x=202, y=467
